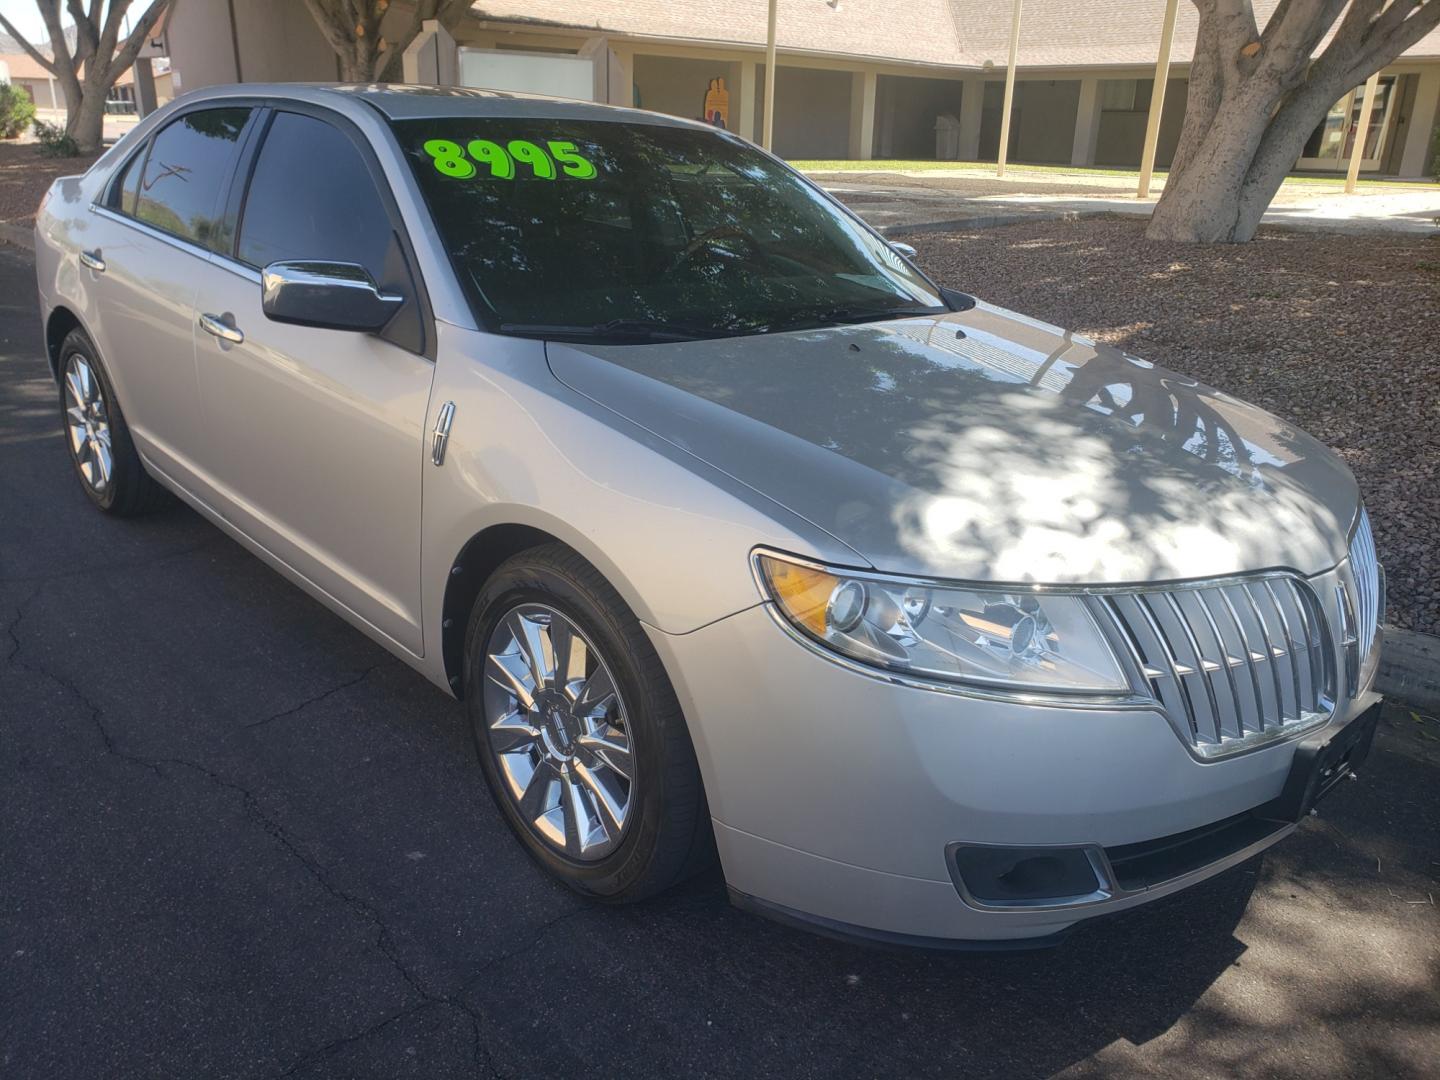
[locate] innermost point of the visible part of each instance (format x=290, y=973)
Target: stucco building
x=855, y=78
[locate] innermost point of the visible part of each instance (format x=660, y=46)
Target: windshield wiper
x=644, y=329
x=856, y=313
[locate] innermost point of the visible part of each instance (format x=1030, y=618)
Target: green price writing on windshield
x=459, y=163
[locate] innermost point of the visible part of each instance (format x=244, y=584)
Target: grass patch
x=988, y=168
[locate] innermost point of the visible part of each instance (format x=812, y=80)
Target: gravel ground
x=1337, y=334
x=25, y=175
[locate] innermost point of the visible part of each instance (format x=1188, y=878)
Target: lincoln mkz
x=735, y=532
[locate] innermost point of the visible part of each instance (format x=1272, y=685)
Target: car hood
x=984, y=445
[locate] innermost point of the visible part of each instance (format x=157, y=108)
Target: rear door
x=315, y=437
x=144, y=246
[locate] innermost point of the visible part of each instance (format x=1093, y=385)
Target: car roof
x=400, y=101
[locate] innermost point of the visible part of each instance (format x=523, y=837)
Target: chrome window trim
x=187, y=246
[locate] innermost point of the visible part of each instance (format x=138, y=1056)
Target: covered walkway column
x=972, y=103
x=746, y=127
x=1009, y=90
x=862, y=115
x=767, y=127
x=1157, y=100
x=1362, y=131
x=1087, y=123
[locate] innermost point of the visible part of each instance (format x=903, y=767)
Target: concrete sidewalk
x=918, y=201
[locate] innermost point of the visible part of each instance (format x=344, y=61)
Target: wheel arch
x=472, y=566
x=58, y=325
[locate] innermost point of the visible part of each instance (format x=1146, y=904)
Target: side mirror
x=903, y=249
x=329, y=295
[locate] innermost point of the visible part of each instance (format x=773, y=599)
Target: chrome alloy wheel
x=87, y=421
x=558, y=732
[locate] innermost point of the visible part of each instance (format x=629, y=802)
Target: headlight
x=998, y=638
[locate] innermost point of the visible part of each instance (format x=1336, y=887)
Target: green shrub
x=16, y=110
x=54, y=140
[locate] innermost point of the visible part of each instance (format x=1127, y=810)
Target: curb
x=984, y=221
x=1410, y=669
x=18, y=235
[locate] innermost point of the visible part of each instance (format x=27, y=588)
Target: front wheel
x=578, y=730
x=101, y=450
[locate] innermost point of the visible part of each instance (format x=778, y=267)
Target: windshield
x=602, y=230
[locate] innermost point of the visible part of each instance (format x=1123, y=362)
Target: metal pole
x=767, y=128
x=1357, y=148
x=1009, y=90
x=1157, y=99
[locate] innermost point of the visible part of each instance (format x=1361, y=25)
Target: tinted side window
x=312, y=197
x=187, y=172
x=125, y=186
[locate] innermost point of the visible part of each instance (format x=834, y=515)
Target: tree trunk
x=86, y=123
x=1201, y=203
x=1255, y=98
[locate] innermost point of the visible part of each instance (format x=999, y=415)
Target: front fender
x=672, y=534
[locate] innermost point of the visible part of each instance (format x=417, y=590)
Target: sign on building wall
x=717, y=104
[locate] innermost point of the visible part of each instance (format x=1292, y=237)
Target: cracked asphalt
x=239, y=840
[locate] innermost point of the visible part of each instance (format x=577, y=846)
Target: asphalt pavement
x=237, y=839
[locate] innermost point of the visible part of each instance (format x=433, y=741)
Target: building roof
x=950, y=33
x=24, y=66
x=873, y=28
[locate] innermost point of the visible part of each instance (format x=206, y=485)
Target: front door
x=1333, y=140
x=316, y=436
x=144, y=246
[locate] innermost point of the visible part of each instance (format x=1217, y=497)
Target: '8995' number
x=450, y=159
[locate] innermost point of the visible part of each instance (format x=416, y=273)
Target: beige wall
x=812, y=111
x=905, y=112
x=276, y=40
x=1042, y=121
x=677, y=85
x=39, y=90
x=1122, y=131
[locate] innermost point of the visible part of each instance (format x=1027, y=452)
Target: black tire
x=130, y=490
x=667, y=837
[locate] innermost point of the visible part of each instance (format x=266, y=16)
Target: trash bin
x=947, y=138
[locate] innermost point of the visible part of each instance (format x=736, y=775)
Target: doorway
x=1331, y=142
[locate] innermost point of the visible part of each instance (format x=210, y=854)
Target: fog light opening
x=1001, y=877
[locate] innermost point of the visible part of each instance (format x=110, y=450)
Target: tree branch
x=1294, y=30
x=34, y=53
x=139, y=34
x=110, y=35
x=64, y=64
x=1408, y=31
x=85, y=39
x=328, y=19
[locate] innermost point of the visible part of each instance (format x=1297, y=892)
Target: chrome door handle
x=93, y=260
x=441, y=435
x=212, y=324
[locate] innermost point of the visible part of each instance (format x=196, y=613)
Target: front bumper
x=835, y=796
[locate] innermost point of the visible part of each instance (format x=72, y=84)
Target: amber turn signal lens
x=801, y=592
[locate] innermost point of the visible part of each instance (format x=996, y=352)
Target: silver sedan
x=735, y=532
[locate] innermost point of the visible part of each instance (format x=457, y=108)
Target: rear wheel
x=578, y=730
x=104, y=457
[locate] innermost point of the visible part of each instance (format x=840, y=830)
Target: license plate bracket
x=1323, y=760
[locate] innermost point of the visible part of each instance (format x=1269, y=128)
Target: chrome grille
x=1365, y=569
x=1233, y=663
